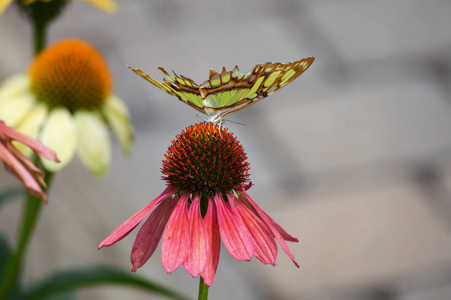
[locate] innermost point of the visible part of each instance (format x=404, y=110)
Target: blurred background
x=353, y=158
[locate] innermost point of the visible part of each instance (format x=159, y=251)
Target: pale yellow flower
x=106, y=5
x=66, y=102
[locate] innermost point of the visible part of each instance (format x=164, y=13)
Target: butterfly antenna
x=238, y=123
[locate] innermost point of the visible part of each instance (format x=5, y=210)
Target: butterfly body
x=229, y=91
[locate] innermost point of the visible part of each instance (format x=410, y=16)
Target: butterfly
x=227, y=92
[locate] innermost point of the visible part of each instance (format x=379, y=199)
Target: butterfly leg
x=221, y=121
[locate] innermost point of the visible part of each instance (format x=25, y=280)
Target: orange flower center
x=71, y=73
x=205, y=158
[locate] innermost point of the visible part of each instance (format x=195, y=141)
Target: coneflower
x=205, y=201
x=66, y=102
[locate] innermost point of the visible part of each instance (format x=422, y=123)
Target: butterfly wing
x=229, y=92
x=181, y=87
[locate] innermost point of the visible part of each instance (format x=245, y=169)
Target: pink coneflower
x=205, y=201
x=18, y=164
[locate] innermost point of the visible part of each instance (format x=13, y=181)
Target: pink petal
x=243, y=187
x=264, y=244
x=126, y=227
x=283, y=233
x=234, y=234
x=271, y=226
x=214, y=240
x=150, y=233
x=200, y=247
x=176, y=240
x=28, y=164
x=13, y=165
x=39, y=148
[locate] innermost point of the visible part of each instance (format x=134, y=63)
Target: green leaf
x=9, y=193
x=79, y=278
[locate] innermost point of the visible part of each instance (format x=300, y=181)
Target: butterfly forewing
x=180, y=87
x=244, y=90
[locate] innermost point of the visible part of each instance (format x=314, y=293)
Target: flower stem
x=32, y=204
x=29, y=218
x=203, y=290
x=39, y=36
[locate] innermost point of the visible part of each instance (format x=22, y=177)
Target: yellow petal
x=15, y=99
x=4, y=4
x=119, y=119
x=106, y=5
x=94, y=148
x=31, y=125
x=15, y=108
x=60, y=135
x=16, y=84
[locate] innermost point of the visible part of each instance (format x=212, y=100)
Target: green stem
x=29, y=218
x=32, y=204
x=39, y=36
x=203, y=290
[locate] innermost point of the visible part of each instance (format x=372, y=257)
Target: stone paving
x=353, y=158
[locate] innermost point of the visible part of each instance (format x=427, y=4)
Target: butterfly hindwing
x=223, y=89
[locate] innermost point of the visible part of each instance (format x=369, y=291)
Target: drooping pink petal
x=37, y=173
x=18, y=164
x=214, y=240
x=176, y=240
x=271, y=226
x=39, y=148
x=264, y=245
x=125, y=228
x=234, y=234
x=13, y=165
x=150, y=233
x=286, y=236
x=199, y=242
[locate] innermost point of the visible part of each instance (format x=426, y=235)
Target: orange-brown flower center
x=71, y=73
x=205, y=158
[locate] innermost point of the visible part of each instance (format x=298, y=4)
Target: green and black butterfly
x=228, y=92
